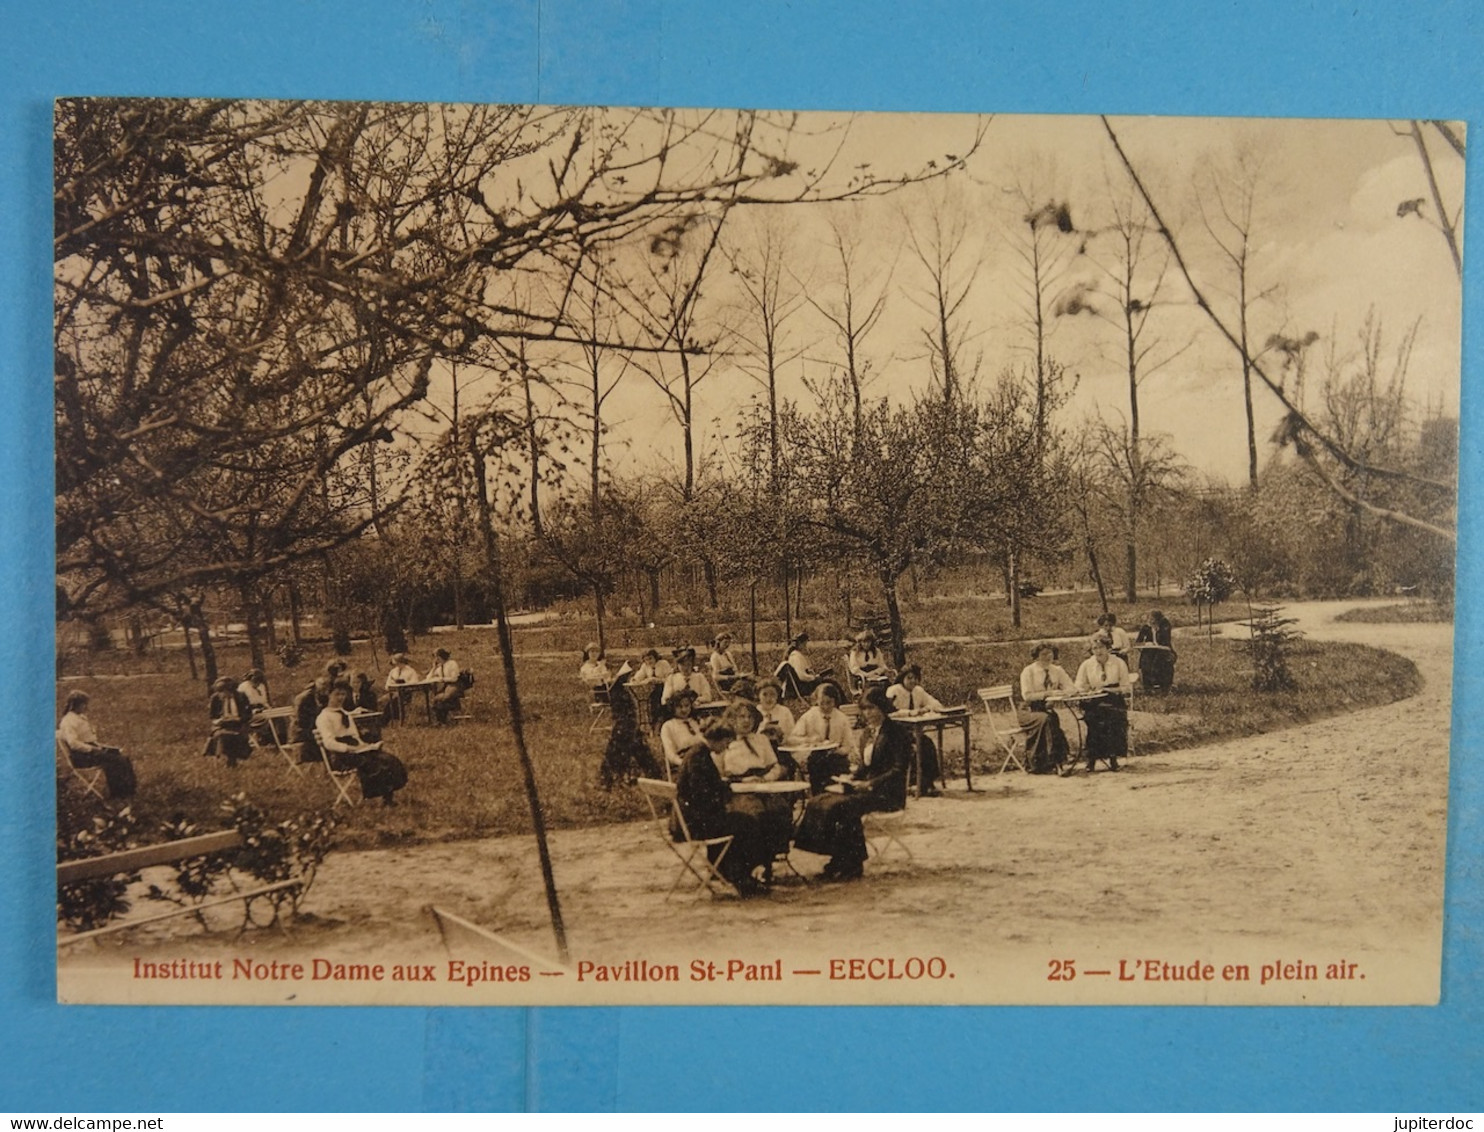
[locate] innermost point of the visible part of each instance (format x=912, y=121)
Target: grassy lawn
x=465, y=780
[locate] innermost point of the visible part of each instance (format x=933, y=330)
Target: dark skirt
x=1157, y=669
x=627, y=755
x=927, y=756
x=448, y=701
x=832, y=827
x=774, y=815
x=1107, y=728
x=230, y=743
x=823, y=767
x=1045, y=742
x=748, y=849
x=381, y=773
x=118, y=770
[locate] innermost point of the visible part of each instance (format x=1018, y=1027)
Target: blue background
x=1258, y=57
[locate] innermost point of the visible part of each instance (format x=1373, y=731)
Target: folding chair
x=268, y=721
x=340, y=779
x=601, y=705
x=1004, y=724
x=90, y=776
x=855, y=686
x=883, y=829
x=463, y=710
x=661, y=799
x=789, y=679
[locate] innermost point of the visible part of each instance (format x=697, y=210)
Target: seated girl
x=867, y=662
x=707, y=804
x=909, y=697
x=381, y=773
x=680, y=732
x=687, y=677
x=777, y=721
x=826, y=723
x=594, y=672
x=795, y=674
x=724, y=669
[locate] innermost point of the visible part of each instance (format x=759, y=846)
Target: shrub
x=90, y=904
x=1271, y=636
x=292, y=849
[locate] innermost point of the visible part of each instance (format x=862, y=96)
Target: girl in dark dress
x=703, y=799
x=1156, y=665
x=230, y=717
x=381, y=773
x=832, y=821
x=627, y=755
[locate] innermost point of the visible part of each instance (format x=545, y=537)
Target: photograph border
x=1417, y=60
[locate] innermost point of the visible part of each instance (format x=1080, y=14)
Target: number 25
x=1062, y=971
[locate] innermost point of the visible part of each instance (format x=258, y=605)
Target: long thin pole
x=512, y=693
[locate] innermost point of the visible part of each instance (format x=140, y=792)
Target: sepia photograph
x=523, y=554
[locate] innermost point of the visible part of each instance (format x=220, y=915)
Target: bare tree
x=772, y=294
x=1044, y=241
x=939, y=239
x=684, y=336
x=1308, y=437
x=1128, y=285
x=852, y=299
x=1227, y=196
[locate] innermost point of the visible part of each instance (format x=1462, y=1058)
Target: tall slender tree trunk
x=1131, y=594
x=1015, y=587
x=752, y=621
x=270, y=622
x=601, y=610
x=456, y=558
x=708, y=572
x=1097, y=574
x=893, y=614
x=1247, y=384
x=1135, y=455
x=788, y=620
x=252, y=612
x=687, y=428
x=190, y=649
x=512, y=694
x=203, y=635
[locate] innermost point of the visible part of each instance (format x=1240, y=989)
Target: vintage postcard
x=530, y=554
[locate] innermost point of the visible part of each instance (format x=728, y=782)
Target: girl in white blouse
x=724, y=670
x=680, y=732
x=826, y=723
x=1107, y=716
x=778, y=721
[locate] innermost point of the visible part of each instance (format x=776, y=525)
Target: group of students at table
x=338, y=713
x=1100, y=690
x=847, y=768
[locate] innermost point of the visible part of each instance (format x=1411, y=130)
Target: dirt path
x=1313, y=845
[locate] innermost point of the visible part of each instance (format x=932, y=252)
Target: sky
x=1329, y=247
